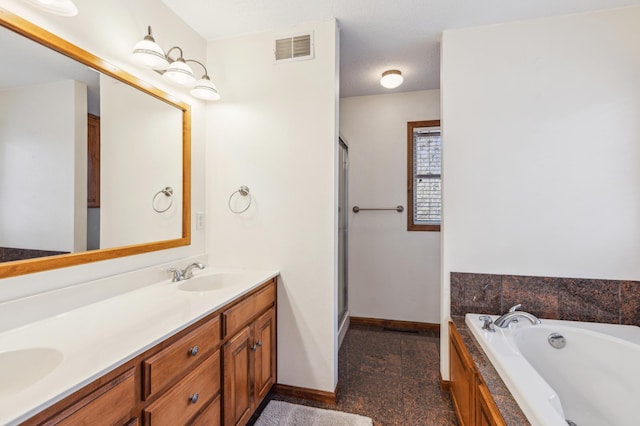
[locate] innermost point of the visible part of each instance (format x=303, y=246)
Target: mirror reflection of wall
x=43, y=145
x=140, y=155
x=47, y=102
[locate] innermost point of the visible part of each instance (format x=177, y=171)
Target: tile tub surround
x=574, y=299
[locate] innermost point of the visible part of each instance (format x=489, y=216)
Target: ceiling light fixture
x=176, y=71
x=391, y=79
x=58, y=7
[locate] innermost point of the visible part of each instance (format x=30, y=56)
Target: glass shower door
x=343, y=216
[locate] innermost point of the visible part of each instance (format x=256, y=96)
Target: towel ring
x=168, y=192
x=243, y=191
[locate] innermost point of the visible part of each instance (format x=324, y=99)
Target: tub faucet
x=188, y=271
x=513, y=315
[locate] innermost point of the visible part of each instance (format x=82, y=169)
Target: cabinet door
x=487, y=414
x=462, y=383
x=93, y=161
x=265, y=354
x=237, y=379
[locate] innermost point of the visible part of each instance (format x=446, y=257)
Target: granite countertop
x=49, y=359
x=505, y=402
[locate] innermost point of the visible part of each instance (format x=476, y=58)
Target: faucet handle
x=176, y=274
x=488, y=323
x=515, y=307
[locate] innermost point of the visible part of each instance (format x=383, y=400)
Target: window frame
x=411, y=225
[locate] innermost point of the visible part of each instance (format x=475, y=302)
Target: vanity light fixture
x=147, y=52
x=391, y=79
x=175, y=71
x=58, y=7
x=179, y=73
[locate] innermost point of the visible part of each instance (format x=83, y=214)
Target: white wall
x=43, y=152
x=109, y=30
x=541, y=149
x=138, y=160
x=275, y=131
x=393, y=273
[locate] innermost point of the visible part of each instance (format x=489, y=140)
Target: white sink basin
x=210, y=282
x=22, y=368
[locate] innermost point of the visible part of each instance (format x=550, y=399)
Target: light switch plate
x=200, y=221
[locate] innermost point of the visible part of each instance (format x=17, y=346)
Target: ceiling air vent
x=294, y=48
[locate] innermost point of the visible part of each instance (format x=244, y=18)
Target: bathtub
x=593, y=380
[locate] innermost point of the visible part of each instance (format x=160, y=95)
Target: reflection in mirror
x=86, y=157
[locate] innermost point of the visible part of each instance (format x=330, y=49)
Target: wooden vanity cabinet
x=249, y=356
x=224, y=364
x=471, y=398
x=487, y=413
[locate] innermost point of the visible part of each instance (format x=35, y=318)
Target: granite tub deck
x=505, y=402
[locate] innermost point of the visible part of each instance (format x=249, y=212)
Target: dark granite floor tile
x=538, y=295
x=419, y=358
x=382, y=412
x=481, y=293
x=391, y=377
x=589, y=300
x=431, y=417
x=630, y=302
x=424, y=392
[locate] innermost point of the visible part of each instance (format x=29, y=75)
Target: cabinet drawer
x=110, y=404
x=171, y=362
x=239, y=315
x=179, y=404
x=210, y=416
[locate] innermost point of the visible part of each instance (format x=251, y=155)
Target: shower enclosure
x=343, y=216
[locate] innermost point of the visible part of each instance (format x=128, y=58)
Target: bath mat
x=280, y=413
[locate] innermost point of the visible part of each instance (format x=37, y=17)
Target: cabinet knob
x=194, y=398
x=259, y=343
x=193, y=351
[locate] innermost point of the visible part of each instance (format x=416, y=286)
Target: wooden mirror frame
x=20, y=267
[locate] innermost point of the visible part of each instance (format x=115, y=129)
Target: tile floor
x=390, y=376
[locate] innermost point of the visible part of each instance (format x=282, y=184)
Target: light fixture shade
x=146, y=52
x=391, y=79
x=58, y=7
x=205, y=89
x=180, y=74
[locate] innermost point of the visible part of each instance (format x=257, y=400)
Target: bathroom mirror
x=94, y=163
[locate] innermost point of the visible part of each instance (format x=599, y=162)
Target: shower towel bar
x=357, y=209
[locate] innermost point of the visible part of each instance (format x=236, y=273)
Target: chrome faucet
x=513, y=315
x=186, y=273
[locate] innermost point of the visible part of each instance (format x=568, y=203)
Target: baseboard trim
x=445, y=385
x=305, y=393
x=403, y=325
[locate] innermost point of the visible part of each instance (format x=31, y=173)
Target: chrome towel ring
x=244, y=192
x=168, y=192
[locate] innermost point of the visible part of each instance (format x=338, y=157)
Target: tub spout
x=509, y=317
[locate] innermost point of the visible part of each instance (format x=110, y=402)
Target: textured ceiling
x=375, y=35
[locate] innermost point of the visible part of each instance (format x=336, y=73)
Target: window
x=423, y=175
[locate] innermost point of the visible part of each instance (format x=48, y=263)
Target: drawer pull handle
x=194, y=398
x=193, y=351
